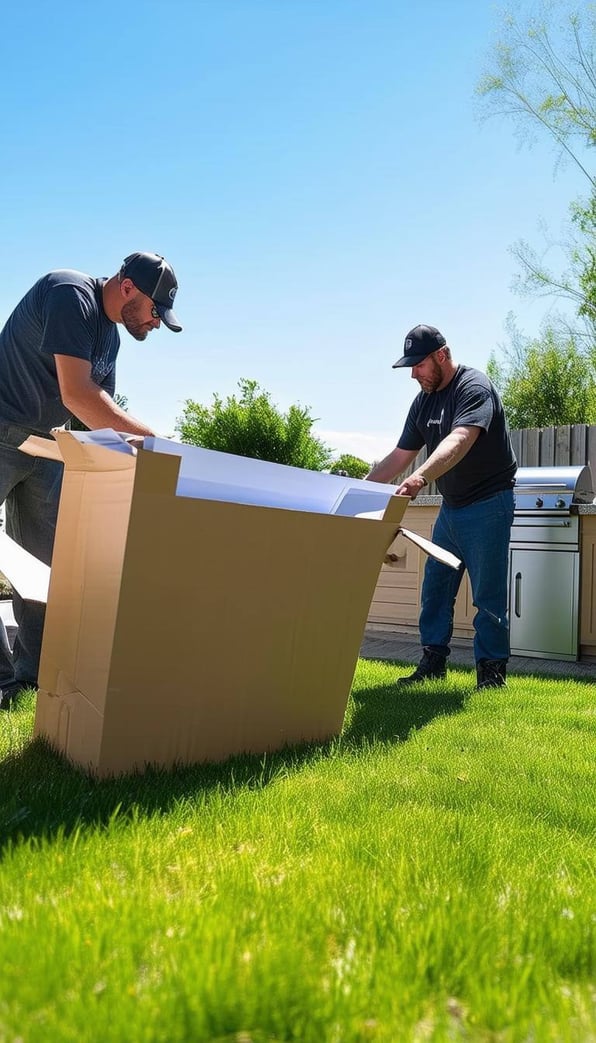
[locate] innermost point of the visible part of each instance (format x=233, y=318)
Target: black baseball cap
x=420, y=342
x=153, y=276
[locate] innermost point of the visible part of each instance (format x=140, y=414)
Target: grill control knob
x=539, y=501
x=559, y=502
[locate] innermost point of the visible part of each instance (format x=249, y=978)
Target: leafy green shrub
x=350, y=465
x=5, y=587
x=251, y=425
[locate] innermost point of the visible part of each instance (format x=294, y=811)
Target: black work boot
x=432, y=667
x=490, y=673
x=10, y=695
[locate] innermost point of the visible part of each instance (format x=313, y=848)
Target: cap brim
x=411, y=360
x=168, y=318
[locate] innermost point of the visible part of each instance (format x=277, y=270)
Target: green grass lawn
x=428, y=876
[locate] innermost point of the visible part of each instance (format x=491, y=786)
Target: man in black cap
x=58, y=354
x=459, y=416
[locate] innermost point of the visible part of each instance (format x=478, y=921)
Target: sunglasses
x=154, y=312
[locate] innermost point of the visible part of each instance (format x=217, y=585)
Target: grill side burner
x=544, y=566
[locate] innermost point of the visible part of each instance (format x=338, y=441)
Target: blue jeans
x=479, y=535
x=30, y=489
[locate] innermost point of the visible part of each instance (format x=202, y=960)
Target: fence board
x=562, y=445
x=524, y=443
x=547, y=446
x=532, y=448
x=579, y=444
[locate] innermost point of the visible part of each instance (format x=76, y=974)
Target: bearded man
x=459, y=416
x=58, y=353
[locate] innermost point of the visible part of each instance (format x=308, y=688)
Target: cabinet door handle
x=517, y=601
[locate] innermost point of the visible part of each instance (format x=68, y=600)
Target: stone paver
x=386, y=644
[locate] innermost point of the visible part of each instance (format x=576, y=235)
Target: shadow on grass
x=43, y=795
x=387, y=713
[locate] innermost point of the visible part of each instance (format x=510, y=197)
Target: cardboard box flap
x=104, y=450
x=394, y=512
x=396, y=507
x=95, y=450
x=47, y=448
x=444, y=556
x=156, y=473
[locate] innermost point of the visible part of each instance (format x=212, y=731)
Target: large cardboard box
x=202, y=605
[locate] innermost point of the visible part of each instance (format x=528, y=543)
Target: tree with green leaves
x=249, y=424
x=544, y=381
x=352, y=466
x=544, y=78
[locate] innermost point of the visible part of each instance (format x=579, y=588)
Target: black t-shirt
x=469, y=400
x=62, y=314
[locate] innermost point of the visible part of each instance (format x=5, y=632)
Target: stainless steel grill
x=544, y=565
x=552, y=488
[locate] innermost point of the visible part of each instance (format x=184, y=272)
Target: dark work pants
x=30, y=490
x=479, y=535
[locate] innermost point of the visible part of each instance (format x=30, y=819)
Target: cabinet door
x=543, y=603
x=588, y=585
x=396, y=600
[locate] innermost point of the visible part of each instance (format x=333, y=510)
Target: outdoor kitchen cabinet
x=396, y=600
x=543, y=613
x=587, y=631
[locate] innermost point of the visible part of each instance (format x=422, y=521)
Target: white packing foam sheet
x=367, y=500
x=210, y=475
x=107, y=438
x=29, y=576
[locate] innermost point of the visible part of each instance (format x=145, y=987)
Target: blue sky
x=316, y=171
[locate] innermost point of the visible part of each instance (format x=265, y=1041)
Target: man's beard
x=433, y=380
x=131, y=320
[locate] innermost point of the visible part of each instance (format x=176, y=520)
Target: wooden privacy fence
x=566, y=446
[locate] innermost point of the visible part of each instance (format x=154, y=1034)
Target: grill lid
x=552, y=488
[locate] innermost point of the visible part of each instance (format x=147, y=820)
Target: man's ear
x=127, y=288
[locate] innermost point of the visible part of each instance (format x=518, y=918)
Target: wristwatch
x=424, y=480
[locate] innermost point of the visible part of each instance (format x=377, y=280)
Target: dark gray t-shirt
x=469, y=400
x=62, y=314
